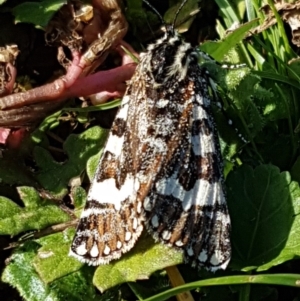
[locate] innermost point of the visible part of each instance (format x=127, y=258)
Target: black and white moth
x=161, y=167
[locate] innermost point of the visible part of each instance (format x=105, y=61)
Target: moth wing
x=186, y=208
x=112, y=219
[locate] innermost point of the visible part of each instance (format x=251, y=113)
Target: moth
x=161, y=167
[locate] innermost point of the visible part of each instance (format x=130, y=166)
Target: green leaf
x=36, y=215
x=102, y=107
x=30, y=197
x=38, y=13
x=92, y=164
x=20, y=273
x=55, y=176
x=218, y=49
x=144, y=259
x=78, y=195
x=8, y=208
x=50, y=122
x=275, y=279
x=264, y=206
x=227, y=10
x=52, y=260
x=76, y=286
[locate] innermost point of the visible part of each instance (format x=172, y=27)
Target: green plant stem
x=245, y=292
x=250, y=10
x=246, y=55
x=228, y=12
x=287, y=47
x=273, y=279
x=134, y=58
x=106, y=106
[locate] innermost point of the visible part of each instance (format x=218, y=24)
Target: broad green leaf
x=20, y=273
x=77, y=286
x=37, y=213
x=55, y=176
x=52, y=260
x=145, y=258
x=264, y=206
x=30, y=197
x=38, y=13
x=8, y=208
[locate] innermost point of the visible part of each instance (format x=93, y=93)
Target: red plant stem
x=58, y=90
x=102, y=81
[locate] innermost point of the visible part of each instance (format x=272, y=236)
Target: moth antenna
x=155, y=10
x=177, y=13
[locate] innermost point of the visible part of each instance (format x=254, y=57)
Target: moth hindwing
x=161, y=167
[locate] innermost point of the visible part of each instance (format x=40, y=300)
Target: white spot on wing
x=81, y=250
x=166, y=235
x=139, y=207
x=134, y=224
x=127, y=236
x=179, y=243
x=94, y=252
x=106, y=250
x=147, y=204
x=119, y=245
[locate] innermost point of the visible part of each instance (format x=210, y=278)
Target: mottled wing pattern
x=112, y=218
x=186, y=208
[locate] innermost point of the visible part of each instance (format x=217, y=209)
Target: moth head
x=170, y=57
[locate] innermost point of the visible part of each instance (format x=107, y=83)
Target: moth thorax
x=170, y=59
